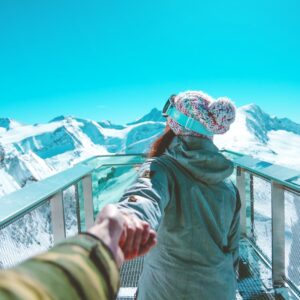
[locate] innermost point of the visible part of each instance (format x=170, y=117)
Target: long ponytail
x=162, y=143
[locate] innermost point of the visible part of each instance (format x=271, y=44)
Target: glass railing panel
x=110, y=183
x=292, y=237
x=262, y=216
x=117, y=170
x=26, y=236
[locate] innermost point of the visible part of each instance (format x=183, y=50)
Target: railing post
x=88, y=201
x=58, y=217
x=241, y=186
x=78, y=208
x=278, y=238
x=252, y=212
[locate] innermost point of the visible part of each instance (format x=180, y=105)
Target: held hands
x=127, y=236
x=137, y=237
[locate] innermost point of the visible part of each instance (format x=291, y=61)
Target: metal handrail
x=245, y=164
x=18, y=203
x=266, y=170
x=34, y=195
x=21, y=202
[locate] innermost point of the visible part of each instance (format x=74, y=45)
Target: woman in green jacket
x=184, y=192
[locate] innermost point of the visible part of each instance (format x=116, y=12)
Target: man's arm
x=80, y=268
x=83, y=267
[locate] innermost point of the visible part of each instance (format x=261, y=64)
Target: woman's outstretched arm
x=149, y=196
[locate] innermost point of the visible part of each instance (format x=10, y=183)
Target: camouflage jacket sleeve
x=79, y=268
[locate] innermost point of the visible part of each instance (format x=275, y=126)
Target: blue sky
x=118, y=59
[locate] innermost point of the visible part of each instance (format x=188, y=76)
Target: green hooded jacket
x=186, y=195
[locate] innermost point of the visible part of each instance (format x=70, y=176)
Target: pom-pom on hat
x=215, y=115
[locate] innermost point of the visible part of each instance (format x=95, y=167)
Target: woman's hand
x=125, y=235
x=137, y=238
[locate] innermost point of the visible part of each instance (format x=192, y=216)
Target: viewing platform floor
x=254, y=278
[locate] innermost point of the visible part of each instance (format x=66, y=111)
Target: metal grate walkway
x=254, y=277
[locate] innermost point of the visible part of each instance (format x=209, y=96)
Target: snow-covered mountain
x=32, y=152
x=7, y=124
x=29, y=153
x=268, y=138
x=155, y=115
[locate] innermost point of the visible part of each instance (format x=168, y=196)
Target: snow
x=33, y=152
x=254, y=133
x=26, y=237
x=7, y=183
x=2, y=131
x=286, y=145
x=27, y=168
x=17, y=134
x=115, y=132
x=66, y=160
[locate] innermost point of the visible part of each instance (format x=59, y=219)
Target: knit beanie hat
x=215, y=115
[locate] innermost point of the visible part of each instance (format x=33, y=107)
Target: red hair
x=162, y=143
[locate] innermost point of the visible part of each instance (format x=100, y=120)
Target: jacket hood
x=201, y=158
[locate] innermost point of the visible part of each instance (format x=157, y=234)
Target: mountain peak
x=61, y=118
x=252, y=107
x=261, y=123
x=8, y=123
x=154, y=115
